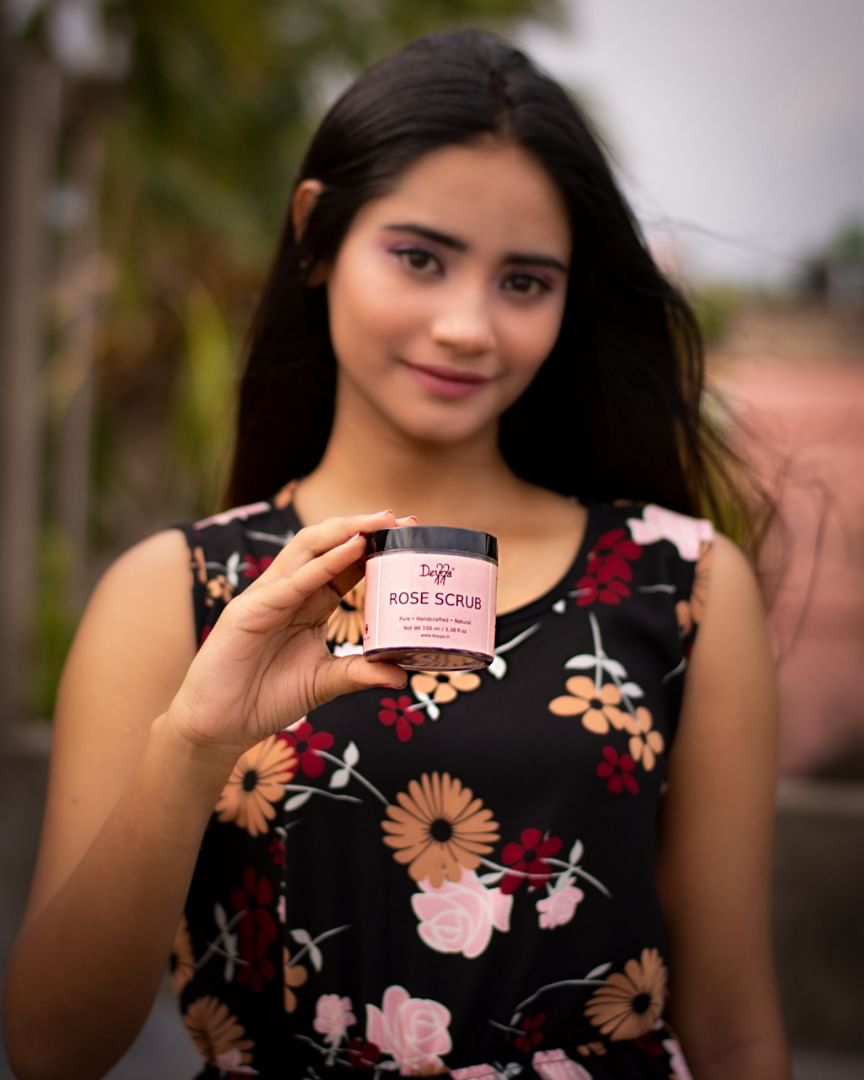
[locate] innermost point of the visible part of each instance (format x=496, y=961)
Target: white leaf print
x=347, y=648
x=316, y=957
x=632, y=689
x=491, y=879
x=575, y=853
x=220, y=917
x=498, y=667
x=351, y=755
x=616, y=670
x=559, y=607
x=433, y=712
x=301, y=936
x=340, y=778
x=231, y=568
x=296, y=801
x=596, y=972
x=581, y=662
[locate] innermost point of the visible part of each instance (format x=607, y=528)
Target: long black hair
x=616, y=411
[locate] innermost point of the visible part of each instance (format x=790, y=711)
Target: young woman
x=538, y=869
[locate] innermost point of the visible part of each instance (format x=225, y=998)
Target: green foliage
x=203, y=396
x=55, y=625
x=714, y=307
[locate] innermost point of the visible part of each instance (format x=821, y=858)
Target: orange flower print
x=627, y=1005
x=443, y=686
x=598, y=706
x=217, y=1034
x=219, y=588
x=257, y=781
x=438, y=828
x=182, y=957
x=198, y=565
x=346, y=622
x=645, y=743
x=689, y=612
x=294, y=975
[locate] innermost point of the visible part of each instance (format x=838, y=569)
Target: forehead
x=491, y=194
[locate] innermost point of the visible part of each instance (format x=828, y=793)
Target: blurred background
x=147, y=149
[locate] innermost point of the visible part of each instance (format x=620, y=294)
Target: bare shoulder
x=131, y=651
x=733, y=632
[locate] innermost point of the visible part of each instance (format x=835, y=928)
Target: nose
x=463, y=324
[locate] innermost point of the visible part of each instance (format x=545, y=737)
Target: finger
x=314, y=540
x=347, y=674
x=311, y=586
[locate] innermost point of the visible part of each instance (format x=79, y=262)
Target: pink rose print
x=414, y=1030
x=333, y=1017
x=474, y=1072
x=677, y=1064
x=686, y=533
x=231, y=1062
x=239, y=513
x=559, y=908
x=458, y=916
x=555, y=1065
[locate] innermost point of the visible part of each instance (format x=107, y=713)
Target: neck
x=463, y=484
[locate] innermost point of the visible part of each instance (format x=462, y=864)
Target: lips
x=447, y=381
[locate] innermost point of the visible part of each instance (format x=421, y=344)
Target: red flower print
x=590, y=590
x=277, y=850
x=402, y=712
x=253, y=568
x=608, y=570
x=529, y=857
x=308, y=743
x=532, y=1034
x=256, y=930
x=649, y=1044
x=617, y=770
x=362, y=1054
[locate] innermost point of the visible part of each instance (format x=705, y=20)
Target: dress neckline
x=539, y=603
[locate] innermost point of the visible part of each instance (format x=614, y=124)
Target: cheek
x=533, y=339
x=360, y=312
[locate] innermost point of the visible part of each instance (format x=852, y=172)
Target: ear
x=303, y=203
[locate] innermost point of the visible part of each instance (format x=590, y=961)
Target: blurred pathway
x=807, y=416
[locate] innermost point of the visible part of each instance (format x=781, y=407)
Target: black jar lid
x=443, y=538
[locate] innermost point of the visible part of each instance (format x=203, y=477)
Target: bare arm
x=714, y=864
x=147, y=732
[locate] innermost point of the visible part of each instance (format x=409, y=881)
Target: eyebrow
x=518, y=258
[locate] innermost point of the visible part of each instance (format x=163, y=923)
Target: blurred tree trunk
x=81, y=286
x=30, y=94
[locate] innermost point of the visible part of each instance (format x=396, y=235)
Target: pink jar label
x=421, y=600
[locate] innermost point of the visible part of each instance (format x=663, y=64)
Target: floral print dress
x=456, y=878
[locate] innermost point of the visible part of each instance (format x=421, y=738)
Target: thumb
x=347, y=674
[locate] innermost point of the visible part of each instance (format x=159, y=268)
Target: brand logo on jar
x=439, y=572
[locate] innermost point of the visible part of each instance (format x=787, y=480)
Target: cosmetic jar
x=430, y=597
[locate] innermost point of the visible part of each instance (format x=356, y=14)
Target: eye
x=419, y=260
x=526, y=285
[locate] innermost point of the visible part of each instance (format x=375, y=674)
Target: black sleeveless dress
x=456, y=878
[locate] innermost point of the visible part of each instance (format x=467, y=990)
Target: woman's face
x=447, y=293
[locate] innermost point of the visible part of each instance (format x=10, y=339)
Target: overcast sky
x=738, y=125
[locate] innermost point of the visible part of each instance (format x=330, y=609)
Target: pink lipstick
x=447, y=381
